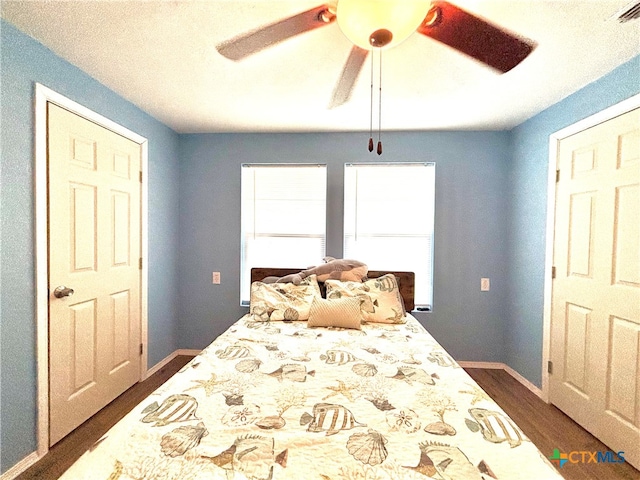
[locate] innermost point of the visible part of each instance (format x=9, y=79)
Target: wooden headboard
x=406, y=280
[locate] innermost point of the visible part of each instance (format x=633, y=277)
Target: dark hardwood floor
x=546, y=426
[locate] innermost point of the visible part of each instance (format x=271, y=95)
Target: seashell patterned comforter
x=279, y=400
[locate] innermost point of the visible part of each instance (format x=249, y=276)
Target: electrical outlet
x=485, y=284
x=216, y=278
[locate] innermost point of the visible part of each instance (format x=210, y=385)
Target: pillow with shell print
x=380, y=299
x=283, y=301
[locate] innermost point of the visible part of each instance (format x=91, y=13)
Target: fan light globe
x=360, y=19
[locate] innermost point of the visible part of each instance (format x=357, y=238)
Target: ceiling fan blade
x=350, y=72
x=475, y=36
x=252, y=42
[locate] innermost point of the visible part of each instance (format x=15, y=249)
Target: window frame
x=245, y=270
x=426, y=302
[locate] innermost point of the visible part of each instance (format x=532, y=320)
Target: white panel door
x=94, y=249
x=595, y=322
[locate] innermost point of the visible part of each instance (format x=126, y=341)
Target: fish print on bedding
x=279, y=400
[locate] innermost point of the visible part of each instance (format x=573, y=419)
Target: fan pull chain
x=371, y=108
x=379, y=150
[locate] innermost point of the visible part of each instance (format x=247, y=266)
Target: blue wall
x=471, y=198
x=528, y=210
x=24, y=62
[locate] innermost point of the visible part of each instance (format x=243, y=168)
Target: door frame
x=44, y=95
x=613, y=111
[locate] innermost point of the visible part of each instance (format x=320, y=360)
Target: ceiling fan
x=379, y=24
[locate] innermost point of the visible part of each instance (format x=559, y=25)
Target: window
x=389, y=219
x=283, y=209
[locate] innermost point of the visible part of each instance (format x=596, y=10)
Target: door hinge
x=140, y=263
x=140, y=176
x=557, y=175
x=550, y=367
x=141, y=348
x=553, y=272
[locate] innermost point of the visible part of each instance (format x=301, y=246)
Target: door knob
x=62, y=291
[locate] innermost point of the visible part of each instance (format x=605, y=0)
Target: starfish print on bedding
x=477, y=392
x=208, y=385
x=341, y=389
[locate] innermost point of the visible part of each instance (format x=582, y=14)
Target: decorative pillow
x=380, y=299
x=283, y=301
x=341, y=312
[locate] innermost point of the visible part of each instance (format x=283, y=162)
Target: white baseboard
x=188, y=351
x=533, y=388
x=20, y=467
x=171, y=356
x=487, y=365
x=501, y=366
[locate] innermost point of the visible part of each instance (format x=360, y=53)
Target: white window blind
x=283, y=211
x=389, y=220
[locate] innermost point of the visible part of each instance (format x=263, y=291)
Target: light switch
x=485, y=285
x=216, y=278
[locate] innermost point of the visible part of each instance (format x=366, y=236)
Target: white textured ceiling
x=161, y=56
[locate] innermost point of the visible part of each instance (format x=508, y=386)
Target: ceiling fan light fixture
x=362, y=20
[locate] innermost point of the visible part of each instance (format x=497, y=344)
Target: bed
x=277, y=397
